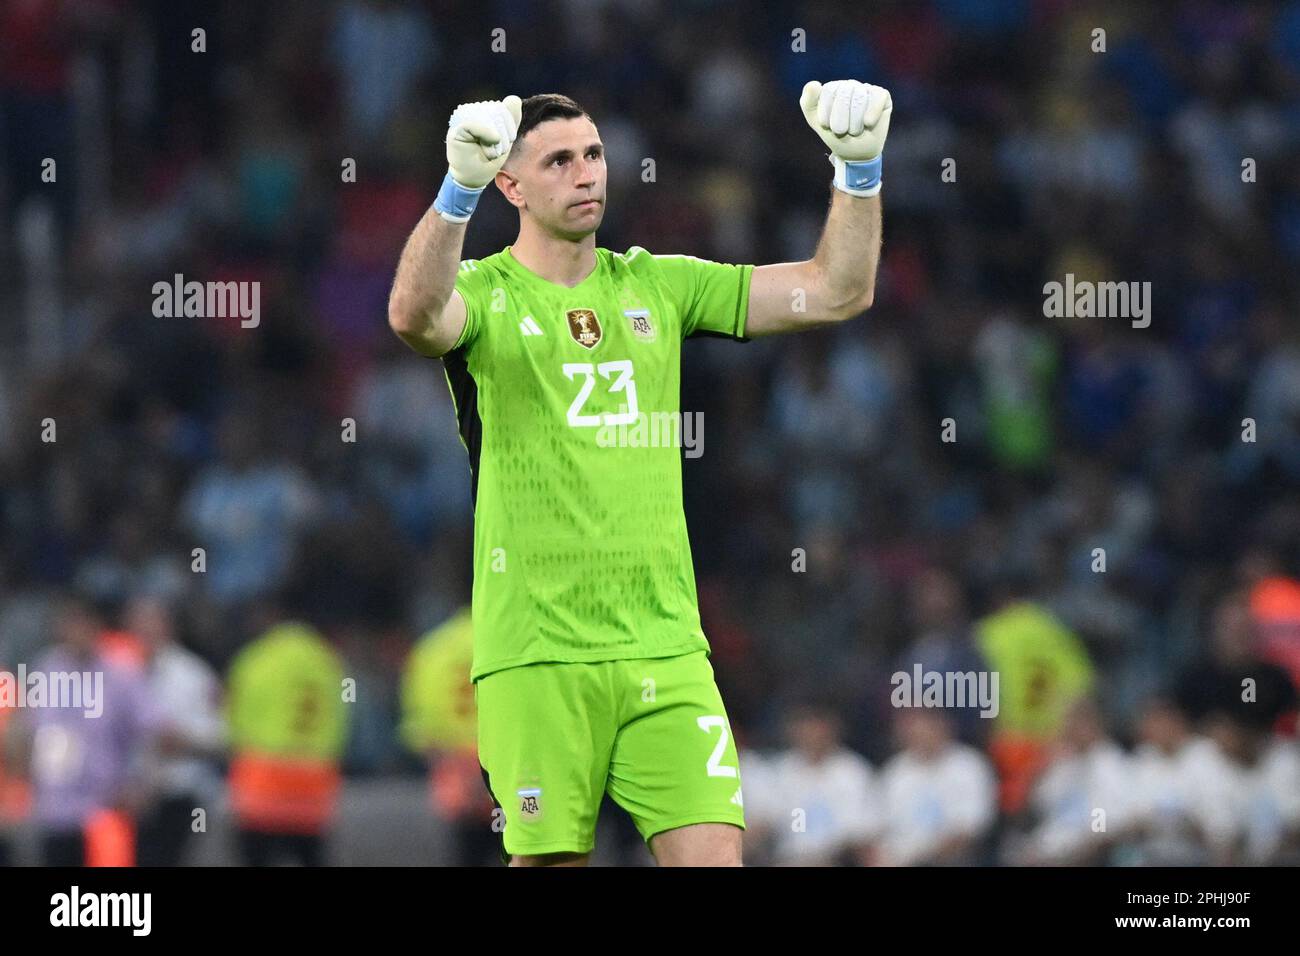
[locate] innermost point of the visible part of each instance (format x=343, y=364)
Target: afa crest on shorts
x=584, y=327
x=530, y=802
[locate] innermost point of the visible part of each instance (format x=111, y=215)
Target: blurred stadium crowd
x=1121, y=690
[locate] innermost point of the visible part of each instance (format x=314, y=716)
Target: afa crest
x=639, y=320
x=530, y=802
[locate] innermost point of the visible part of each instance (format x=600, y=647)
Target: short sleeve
x=713, y=296
x=471, y=283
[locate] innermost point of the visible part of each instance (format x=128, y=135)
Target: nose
x=586, y=172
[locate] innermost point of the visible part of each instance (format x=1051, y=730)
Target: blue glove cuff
x=859, y=178
x=455, y=203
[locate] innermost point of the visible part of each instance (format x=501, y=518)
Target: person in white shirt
x=1250, y=807
x=1172, y=769
x=182, y=775
x=814, y=804
x=1082, y=801
x=940, y=796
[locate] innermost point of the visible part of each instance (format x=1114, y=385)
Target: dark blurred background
x=976, y=554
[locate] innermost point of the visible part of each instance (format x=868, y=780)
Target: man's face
x=922, y=732
x=935, y=601
x=77, y=630
x=147, y=619
x=814, y=734
x=557, y=173
x=1234, y=634
x=1162, y=726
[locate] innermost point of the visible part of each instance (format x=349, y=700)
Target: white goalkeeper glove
x=479, y=138
x=852, y=118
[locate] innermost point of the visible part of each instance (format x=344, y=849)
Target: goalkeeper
x=591, y=671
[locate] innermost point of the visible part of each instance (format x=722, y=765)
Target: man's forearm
x=479, y=139
x=426, y=276
x=848, y=252
x=852, y=119
x=835, y=285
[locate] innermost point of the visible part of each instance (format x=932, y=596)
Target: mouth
x=586, y=204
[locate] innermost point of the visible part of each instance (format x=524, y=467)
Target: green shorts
x=651, y=732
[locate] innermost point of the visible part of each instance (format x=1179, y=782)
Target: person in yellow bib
x=439, y=721
x=1043, y=669
x=288, y=728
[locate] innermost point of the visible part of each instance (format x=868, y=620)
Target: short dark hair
x=546, y=106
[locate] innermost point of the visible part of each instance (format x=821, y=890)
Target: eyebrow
x=555, y=154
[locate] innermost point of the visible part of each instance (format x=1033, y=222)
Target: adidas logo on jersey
x=529, y=326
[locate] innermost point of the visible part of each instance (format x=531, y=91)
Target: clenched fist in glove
x=852, y=118
x=479, y=137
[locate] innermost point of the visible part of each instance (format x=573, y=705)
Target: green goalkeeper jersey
x=568, y=402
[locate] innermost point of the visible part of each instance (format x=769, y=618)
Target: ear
x=509, y=187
